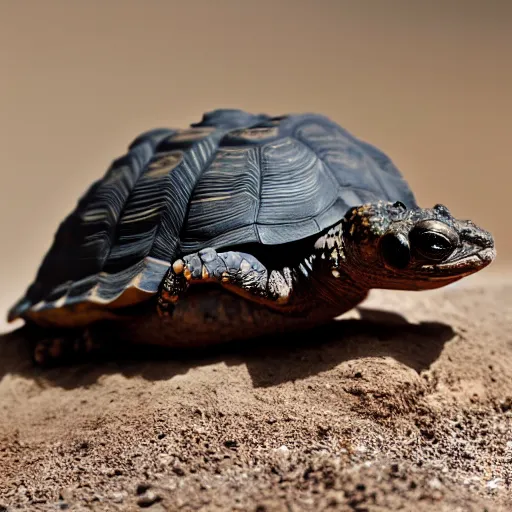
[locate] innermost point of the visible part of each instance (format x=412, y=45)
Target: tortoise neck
x=333, y=285
x=331, y=250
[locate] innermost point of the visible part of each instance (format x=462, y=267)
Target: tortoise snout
x=472, y=234
x=487, y=255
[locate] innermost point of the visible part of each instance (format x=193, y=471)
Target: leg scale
x=238, y=271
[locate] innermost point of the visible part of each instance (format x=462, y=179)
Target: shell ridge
x=225, y=196
x=170, y=232
x=55, y=277
x=382, y=161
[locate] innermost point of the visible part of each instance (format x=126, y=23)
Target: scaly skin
x=469, y=250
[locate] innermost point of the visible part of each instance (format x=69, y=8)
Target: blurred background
x=430, y=83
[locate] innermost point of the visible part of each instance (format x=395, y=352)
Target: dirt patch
x=377, y=411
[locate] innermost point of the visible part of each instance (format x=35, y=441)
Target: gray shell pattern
x=232, y=179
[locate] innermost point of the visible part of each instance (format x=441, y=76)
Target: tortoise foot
x=66, y=348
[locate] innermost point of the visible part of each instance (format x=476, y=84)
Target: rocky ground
x=378, y=411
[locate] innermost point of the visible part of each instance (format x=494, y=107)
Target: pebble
x=494, y=483
x=177, y=470
x=435, y=483
x=118, y=497
x=283, y=450
x=147, y=499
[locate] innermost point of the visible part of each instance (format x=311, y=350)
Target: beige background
x=428, y=82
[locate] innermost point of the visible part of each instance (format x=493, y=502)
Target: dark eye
x=395, y=250
x=433, y=240
x=399, y=204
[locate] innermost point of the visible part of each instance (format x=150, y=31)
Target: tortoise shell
x=230, y=180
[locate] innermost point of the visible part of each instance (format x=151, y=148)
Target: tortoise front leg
x=237, y=271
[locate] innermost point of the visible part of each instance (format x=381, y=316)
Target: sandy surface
x=382, y=412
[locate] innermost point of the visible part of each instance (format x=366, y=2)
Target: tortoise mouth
x=463, y=266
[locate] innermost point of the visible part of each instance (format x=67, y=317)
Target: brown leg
x=58, y=348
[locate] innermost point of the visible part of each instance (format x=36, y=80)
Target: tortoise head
x=387, y=245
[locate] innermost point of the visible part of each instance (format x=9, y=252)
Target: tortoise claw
x=175, y=284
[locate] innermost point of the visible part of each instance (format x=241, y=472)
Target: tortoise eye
x=395, y=250
x=399, y=204
x=433, y=240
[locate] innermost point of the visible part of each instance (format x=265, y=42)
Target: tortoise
x=286, y=222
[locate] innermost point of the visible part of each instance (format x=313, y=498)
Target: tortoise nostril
x=489, y=242
x=474, y=236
